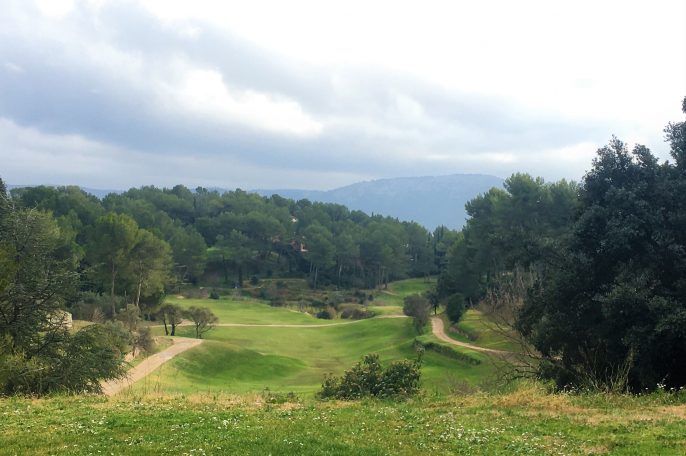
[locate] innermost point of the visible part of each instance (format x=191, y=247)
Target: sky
x=318, y=94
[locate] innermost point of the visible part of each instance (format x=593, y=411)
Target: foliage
x=215, y=238
x=417, y=307
x=171, y=316
x=455, y=307
x=611, y=311
x=75, y=363
x=369, y=378
x=203, y=319
x=109, y=250
x=517, y=226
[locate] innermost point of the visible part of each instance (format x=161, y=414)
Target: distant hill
x=430, y=201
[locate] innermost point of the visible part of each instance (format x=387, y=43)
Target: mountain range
x=430, y=200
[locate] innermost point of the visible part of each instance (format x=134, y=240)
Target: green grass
x=411, y=286
x=249, y=311
x=397, y=291
x=249, y=359
x=244, y=359
x=524, y=421
x=476, y=329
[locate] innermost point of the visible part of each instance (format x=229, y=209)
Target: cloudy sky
x=299, y=94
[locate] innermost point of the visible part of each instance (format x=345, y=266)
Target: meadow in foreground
x=526, y=420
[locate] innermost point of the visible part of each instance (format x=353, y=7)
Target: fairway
x=249, y=359
x=249, y=311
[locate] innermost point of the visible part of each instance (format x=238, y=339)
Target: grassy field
x=390, y=300
x=249, y=311
x=476, y=329
x=212, y=399
x=527, y=421
x=244, y=359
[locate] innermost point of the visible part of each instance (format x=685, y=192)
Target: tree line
x=136, y=246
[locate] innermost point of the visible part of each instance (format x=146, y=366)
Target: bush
x=90, y=304
x=75, y=364
x=369, y=378
x=214, y=295
x=327, y=314
x=417, y=307
x=455, y=307
x=355, y=312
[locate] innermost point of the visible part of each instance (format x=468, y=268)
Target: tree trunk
x=173, y=327
x=166, y=331
x=114, y=275
x=226, y=272
x=138, y=292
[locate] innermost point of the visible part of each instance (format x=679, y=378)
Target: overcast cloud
x=114, y=94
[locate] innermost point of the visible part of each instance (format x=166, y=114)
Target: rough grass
x=526, y=420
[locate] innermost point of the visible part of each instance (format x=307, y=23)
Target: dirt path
x=149, y=364
x=439, y=331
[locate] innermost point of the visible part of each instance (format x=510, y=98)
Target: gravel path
x=439, y=331
x=149, y=364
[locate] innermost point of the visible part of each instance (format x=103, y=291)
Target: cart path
x=439, y=331
x=149, y=364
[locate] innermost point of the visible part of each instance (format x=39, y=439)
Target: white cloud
x=204, y=91
x=372, y=88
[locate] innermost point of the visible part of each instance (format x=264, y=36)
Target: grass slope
x=476, y=329
x=525, y=421
x=249, y=359
x=238, y=359
x=249, y=311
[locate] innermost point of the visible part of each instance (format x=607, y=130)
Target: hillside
x=431, y=201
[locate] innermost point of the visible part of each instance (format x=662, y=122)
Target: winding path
x=149, y=364
x=439, y=331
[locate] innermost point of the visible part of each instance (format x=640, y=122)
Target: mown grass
x=249, y=311
x=396, y=292
x=476, y=329
x=245, y=359
x=249, y=359
x=527, y=420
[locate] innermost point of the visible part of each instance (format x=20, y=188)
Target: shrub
x=355, y=312
x=417, y=307
x=455, y=307
x=214, y=295
x=327, y=314
x=369, y=378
